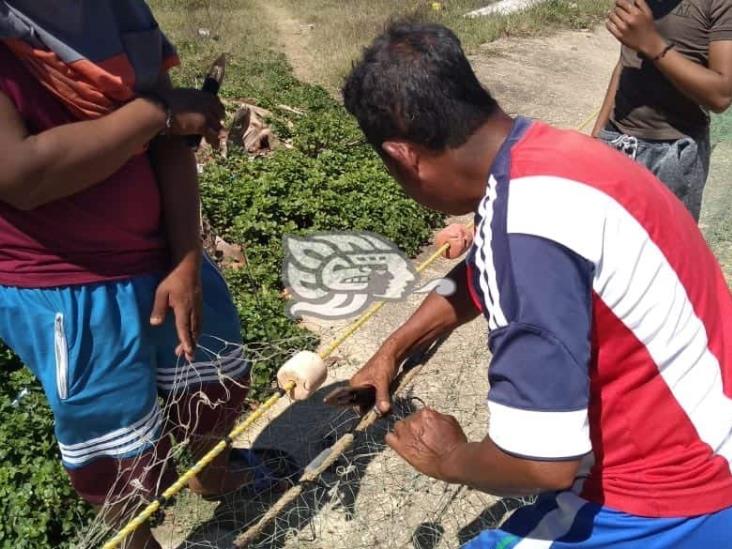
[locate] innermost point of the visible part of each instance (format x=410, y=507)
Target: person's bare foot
x=225, y=475
x=221, y=484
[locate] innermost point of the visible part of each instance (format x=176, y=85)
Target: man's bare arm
x=70, y=158
x=65, y=160
x=438, y=315
x=485, y=467
x=710, y=87
x=177, y=176
x=609, y=102
x=435, y=445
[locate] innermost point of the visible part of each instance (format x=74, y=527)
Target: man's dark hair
x=415, y=83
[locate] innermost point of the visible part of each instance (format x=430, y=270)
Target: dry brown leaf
x=229, y=255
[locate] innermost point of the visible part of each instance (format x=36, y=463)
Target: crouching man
x=610, y=322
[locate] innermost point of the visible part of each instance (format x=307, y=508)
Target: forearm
x=704, y=86
x=175, y=167
x=485, y=467
x=71, y=158
x=609, y=102
x=436, y=316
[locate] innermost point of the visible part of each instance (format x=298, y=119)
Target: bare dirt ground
x=371, y=499
x=560, y=79
x=293, y=39
x=716, y=219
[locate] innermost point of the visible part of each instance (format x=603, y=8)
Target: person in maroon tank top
x=99, y=238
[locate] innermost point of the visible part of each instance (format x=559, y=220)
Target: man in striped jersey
x=610, y=320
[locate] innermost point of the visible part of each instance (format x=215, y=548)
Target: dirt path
x=716, y=219
x=371, y=499
x=293, y=38
x=560, y=79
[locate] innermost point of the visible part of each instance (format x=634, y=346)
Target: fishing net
x=367, y=496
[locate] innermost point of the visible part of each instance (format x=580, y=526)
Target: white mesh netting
x=368, y=497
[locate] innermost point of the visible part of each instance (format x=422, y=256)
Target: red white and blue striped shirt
x=610, y=325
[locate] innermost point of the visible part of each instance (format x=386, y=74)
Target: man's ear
x=403, y=155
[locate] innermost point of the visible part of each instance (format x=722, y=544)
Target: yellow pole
x=179, y=484
x=588, y=120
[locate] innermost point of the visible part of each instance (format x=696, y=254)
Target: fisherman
x=610, y=321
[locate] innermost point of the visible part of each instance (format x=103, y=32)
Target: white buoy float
x=307, y=370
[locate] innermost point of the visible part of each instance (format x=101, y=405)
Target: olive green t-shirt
x=647, y=104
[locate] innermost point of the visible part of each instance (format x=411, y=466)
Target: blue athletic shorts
x=566, y=521
x=103, y=367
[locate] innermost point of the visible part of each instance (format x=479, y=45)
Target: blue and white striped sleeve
x=539, y=374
